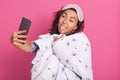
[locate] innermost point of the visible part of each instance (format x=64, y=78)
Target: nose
x=65, y=20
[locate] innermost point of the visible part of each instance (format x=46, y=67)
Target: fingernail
x=25, y=30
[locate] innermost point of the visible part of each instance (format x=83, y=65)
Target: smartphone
x=25, y=25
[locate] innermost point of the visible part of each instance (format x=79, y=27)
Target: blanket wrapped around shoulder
x=68, y=58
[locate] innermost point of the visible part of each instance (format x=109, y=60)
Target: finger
x=21, y=31
x=21, y=36
x=20, y=41
x=57, y=38
x=17, y=44
x=16, y=40
x=61, y=36
x=15, y=35
x=11, y=38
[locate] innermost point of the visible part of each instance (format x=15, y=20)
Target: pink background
x=102, y=18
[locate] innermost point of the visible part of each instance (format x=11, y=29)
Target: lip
x=63, y=27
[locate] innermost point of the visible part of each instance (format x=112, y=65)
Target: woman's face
x=67, y=22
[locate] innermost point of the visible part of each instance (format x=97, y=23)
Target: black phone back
x=25, y=25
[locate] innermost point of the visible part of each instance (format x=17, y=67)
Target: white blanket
x=68, y=58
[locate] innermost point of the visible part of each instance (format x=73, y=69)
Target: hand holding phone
x=25, y=25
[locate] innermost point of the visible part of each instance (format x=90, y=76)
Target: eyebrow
x=70, y=17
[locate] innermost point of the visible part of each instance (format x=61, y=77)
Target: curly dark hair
x=54, y=29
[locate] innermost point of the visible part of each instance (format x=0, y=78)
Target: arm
x=23, y=45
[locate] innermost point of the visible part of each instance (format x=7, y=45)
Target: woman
x=62, y=54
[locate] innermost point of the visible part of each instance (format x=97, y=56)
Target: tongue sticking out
x=62, y=28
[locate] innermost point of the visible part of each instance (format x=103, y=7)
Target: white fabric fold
x=68, y=58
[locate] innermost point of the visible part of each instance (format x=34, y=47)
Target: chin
x=62, y=32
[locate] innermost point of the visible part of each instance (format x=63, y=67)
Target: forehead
x=70, y=12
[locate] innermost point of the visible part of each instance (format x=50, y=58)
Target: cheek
x=59, y=21
x=75, y=24
x=59, y=24
x=72, y=25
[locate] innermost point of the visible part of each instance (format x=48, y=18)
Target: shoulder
x=80, y=35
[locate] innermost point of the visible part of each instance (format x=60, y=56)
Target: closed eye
x=71, y=20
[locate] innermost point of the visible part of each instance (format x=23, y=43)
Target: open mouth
x=63, y=27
